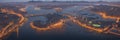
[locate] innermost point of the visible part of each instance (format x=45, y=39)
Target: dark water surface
x=71, y=31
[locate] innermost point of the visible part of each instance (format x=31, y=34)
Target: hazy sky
x=50, y=0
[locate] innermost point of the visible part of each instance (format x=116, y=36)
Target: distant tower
x=54, y=0
x=82, y=0
x=32, y=0
x=101, y=0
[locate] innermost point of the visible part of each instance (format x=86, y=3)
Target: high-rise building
x=32, y=0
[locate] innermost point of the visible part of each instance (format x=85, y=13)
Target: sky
x=57, y=0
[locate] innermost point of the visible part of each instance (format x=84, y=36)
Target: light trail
x=52, y=26
x=3, y=30
x=110, y=31
x=100, y=30
x=86, y=26
x=104, y=15
x=12, y=26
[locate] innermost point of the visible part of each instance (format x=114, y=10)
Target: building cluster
x=95, y=20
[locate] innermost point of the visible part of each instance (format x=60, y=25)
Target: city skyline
x=57, y=0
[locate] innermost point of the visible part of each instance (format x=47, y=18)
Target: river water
x=70, y=31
